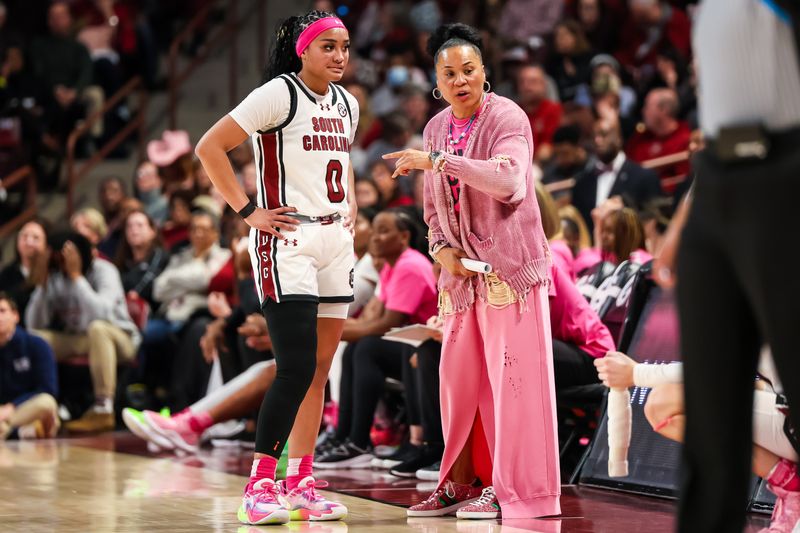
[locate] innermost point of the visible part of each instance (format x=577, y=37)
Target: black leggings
x=365, y=366
x=572, y=366
x=429, y=354
x=293, y=330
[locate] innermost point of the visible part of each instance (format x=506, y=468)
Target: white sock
x=104, y=405
x=293, y=468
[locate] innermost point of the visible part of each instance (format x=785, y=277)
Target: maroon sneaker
x=484, y=508
x=447, y=499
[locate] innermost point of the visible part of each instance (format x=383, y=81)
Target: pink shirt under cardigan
x=499, y=222
x=572, y=320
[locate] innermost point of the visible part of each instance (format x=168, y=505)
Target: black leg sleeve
x=293, y=329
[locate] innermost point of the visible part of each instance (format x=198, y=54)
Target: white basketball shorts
x=314, y=263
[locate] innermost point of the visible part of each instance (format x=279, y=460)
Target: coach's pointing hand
x=272, y=221
x=408, y=160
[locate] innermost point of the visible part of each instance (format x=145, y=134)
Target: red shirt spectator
x=544, y=114
x=653, y=25
x=663, y=134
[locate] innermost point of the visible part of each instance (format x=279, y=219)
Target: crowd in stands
x=155, y=288
x=61, y=61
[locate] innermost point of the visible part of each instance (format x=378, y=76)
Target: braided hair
x=283, y=58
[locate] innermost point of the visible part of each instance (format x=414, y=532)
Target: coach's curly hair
x=283, y=58
x=449, y=35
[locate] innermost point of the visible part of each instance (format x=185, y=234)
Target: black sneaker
x=426, y=456
x=346, y=455
x=325, y=443
x=405, y=452
x=430, y=473
x=244, y=439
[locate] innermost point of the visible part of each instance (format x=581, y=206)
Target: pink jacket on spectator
x=499, y=222
x=572, y=320
x=562, y=257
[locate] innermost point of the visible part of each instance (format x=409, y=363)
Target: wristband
x=247, y=210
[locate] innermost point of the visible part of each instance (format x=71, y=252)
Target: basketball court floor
x=111, y=484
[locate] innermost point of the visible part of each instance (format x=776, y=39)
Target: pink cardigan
x=499, y=221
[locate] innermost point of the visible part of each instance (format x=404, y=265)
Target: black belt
x=751, y=143
x=322, y=220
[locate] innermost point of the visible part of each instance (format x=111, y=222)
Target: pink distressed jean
x=499, y=362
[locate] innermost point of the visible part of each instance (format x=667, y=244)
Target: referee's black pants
x=738, y=284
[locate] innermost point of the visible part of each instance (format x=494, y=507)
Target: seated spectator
x=577, y=237
x=15, y=279
x=613, y=175
x=64, y=67
x=606, y=80
x=569, y=64
x=655, y=220
x=407, y=296
x=368, y=195
x=579, y=337
x=90, y=223
x=182, y=291
x=598, y=21
x=775, y=454
x=79, y=308
x=652, y=26
x=172, y=154
x=111, y=194
x=140, y=257
x=22, y=102
x=520, y=20
x=544, y=114
x=569, y=157
x=622, y=238
x=108, y=28
x=551, y=224
x=175, y=231
x=663, y=134
x=28, y=380
x=149, y=192
x=365, y=274
x=392, y=194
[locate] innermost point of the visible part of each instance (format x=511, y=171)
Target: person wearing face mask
x=497, y=384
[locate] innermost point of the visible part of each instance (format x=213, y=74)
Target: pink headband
x=313, y=30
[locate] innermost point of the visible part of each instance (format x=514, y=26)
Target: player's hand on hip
x=408, y=160
x=350, y=219
x=273, y=221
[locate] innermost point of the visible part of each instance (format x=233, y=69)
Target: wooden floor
x=109, y=484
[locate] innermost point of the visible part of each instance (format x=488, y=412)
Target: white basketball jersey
x=301, y=144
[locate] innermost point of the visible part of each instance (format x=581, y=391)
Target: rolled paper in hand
x=476, y=266
x=619, y=431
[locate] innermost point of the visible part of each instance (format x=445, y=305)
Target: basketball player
x=301, y=246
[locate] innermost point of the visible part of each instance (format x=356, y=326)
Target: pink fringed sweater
x=499, y=222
